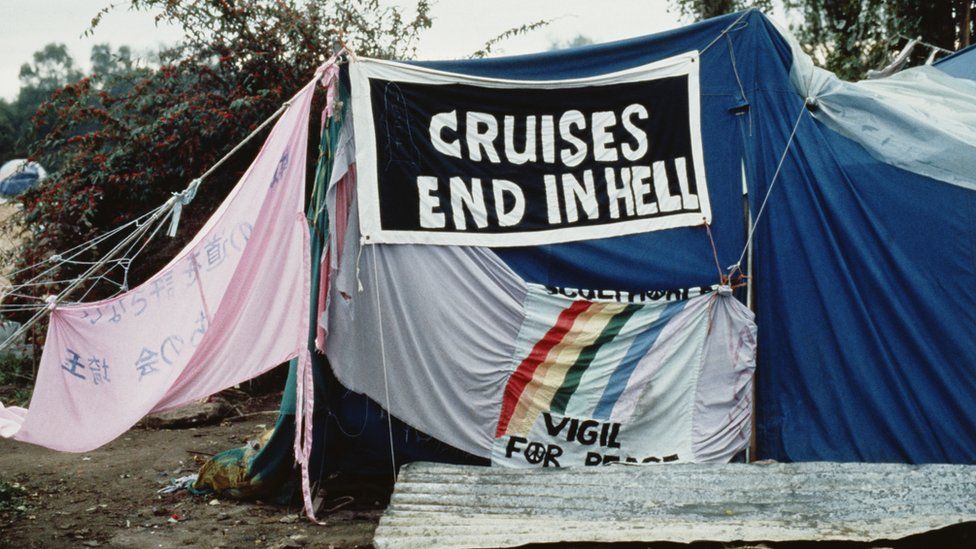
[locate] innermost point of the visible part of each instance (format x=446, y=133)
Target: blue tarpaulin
x=17, y=176
x=961, y=64
x=863, y=272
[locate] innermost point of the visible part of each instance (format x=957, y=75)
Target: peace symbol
x=535, y=452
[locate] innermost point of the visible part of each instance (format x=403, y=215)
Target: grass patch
x=13, y=498
x=16, y=379
x=15, y=368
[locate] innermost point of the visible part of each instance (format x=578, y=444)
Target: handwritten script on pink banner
x=231, y=305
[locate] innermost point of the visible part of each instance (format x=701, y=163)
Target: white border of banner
x=363, y=69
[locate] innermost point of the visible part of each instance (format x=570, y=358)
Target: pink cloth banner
x=231, y=305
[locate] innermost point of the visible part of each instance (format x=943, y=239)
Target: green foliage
x=849, y=37
x=486, y=50
x=574, y=42
x=104, y=61
x=52, y=68
x=10, y=124
x=16, y=378
x=15, y=368
x=291, y=31
x=704, y=9
x=118, y=141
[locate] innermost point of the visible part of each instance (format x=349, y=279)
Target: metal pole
x=751, y=449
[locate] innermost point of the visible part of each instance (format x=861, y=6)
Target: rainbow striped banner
x=584, y=359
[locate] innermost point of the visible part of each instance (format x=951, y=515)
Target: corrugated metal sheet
x=462, y=506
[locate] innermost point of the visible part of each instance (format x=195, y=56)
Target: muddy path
x=107, y=498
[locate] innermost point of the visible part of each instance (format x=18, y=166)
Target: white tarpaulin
x=920, y=119
x=457, y=345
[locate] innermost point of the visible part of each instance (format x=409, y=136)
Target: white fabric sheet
x=920, y=119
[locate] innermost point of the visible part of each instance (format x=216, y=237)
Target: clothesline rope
x=153, y=218
x=725, y=31
x=386, y=380
x=71, y=253
x=53, y=303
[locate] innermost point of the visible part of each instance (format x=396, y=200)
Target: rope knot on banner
x=179, y=200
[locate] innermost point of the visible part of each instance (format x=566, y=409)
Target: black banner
x=512, y=165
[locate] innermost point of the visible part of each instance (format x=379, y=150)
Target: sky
x=460, y=27
x=30, y=24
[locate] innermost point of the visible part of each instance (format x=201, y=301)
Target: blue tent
x=17, y=176
x=961, y=64
x=863, y=254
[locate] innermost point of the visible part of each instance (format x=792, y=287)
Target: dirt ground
x=108, y=498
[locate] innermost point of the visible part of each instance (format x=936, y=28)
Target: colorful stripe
x=587, y=360
x=689, y=321
x=575, y=373
x=550, y=375
x=622, y=373
x=526, y=370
